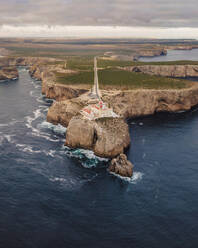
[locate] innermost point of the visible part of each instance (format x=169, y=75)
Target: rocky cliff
x=152, y=52
x=181, y=47
x=147, y=102
x=43, y=69
x=130, y=104
x=63, y=111
x=8, y=73
x=177, y=71
x=107, y=137
x=50, y=88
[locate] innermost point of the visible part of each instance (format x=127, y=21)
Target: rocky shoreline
x=176, y=71
x=110, y=138
x=162, y=51
x=106, y=137
x=8, y=73
x=152, y=52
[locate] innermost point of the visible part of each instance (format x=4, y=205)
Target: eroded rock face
x=61, y=92
x=176, y=71
x=62, y=112
x=121, y=166
x=80, y=133
x=111, y=137
x=135, y=103
x=107, y=137
x=152, y=52
x=8, y=73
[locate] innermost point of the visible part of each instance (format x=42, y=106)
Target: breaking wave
x=71, y=182
x=6, y=137
x=30, y=149
x=58, y=129
x=37, y=113
x=87, y=158
x=137, y=176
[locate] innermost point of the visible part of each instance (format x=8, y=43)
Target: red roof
x=95, y=106
x=87, y=110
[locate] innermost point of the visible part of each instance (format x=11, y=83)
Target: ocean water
x=51, y=196
x=174, y=55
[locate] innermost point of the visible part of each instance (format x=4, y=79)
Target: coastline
x=127, y=104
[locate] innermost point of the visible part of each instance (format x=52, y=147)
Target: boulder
x=121, y=166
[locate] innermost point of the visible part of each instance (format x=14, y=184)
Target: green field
x=119, y=79
x=80, y=58
x=111, y=77
x=86, y=63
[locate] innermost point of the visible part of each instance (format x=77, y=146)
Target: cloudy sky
x=113, y=18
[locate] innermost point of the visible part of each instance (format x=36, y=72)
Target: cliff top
x=115, y=79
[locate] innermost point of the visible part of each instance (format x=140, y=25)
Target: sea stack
x=121, y=166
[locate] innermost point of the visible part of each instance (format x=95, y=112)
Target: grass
x=80, y=59
x=119, y=79
x=80, y=63
x=86, y=63
x=55, y=51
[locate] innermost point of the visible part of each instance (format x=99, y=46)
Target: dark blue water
x=174, y=55
x=51, y=196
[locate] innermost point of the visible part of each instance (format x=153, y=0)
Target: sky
x=99, y=18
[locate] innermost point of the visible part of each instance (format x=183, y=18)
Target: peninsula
x=95, y=116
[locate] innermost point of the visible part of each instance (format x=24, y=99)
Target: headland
x=128, y=89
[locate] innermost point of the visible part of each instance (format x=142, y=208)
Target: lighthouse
x=95, y=92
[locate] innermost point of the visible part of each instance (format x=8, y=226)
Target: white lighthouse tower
x=95, y=92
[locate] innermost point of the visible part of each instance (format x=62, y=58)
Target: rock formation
x=130, y=104
x=181, y=47
x=107, y=137
x=63, y=111
x=136, y=103
x=121, y=166
x=177, y=71
x=8, y=73
x=152, y=52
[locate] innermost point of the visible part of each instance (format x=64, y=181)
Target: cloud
x=135, y=13
x=97, y=32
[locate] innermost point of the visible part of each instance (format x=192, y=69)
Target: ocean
x=52, y=196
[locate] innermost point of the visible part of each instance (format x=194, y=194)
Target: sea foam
x=137, y=176
x=58, y=129
x=87, y=158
